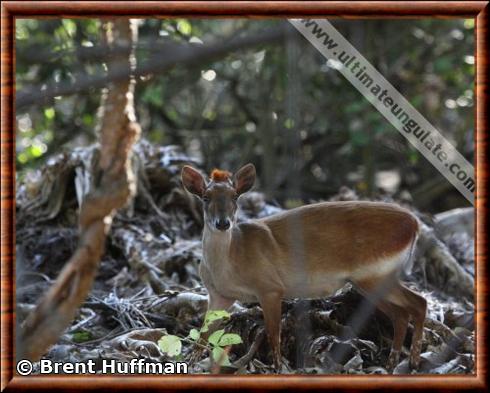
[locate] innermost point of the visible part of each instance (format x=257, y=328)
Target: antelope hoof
x=277, y=365
x=393, y=360
x=278, y=362
x=281, y=365
x=414, y=362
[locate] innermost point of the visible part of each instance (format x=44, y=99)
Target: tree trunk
x=114, y=186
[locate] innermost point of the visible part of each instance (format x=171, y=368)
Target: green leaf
x=229, y=339
x=221, y=357
x=212, y=316
x=215, y=337
x=82, y=336
x=49, y=113
x=469, y=23
x=87, y=119
x=23, y=157
x=289, y=123
x=184, y=26
x=194, y=334
x=36, y=151
x=171, y=345
x=70, y=26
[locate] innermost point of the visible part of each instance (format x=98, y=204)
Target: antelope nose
x=222, y=224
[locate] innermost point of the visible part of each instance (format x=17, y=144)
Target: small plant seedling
x=216, y=343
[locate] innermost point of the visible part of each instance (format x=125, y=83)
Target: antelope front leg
x=271, y=306
x=215, y=302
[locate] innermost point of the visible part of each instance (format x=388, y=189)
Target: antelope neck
x=216, y=246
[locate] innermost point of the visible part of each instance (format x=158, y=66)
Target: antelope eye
x=205, y=198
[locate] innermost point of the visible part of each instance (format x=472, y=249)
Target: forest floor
x=148, y=283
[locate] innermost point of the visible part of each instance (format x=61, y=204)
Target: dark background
x=258, y=92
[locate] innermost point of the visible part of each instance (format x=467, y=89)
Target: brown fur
x=217, y=175
x=309, y=252
x=343, y=234
x=294, y=248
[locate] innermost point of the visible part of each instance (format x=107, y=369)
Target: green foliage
x=289, y=123
x=229, y=339
x=221, y=357
x=46, y=54
x=250, y=103
x=216, y=343
x=171, y=345
x=215, y=337
x=194, y=334
x=184, y=26
x=153, y=95
x=212, y=316
x=81, y=336
x=218, y=340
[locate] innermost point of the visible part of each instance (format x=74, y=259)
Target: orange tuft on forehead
x=218, y=175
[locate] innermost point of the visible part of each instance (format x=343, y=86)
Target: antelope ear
x=244, y=179
x=193, y=181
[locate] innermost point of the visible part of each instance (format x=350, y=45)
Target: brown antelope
x=307, y=252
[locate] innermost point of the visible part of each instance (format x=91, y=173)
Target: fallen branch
x=456, y=220
x=442, y=268
x=247, y=358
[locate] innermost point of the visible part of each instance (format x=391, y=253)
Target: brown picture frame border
x=257, y=9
